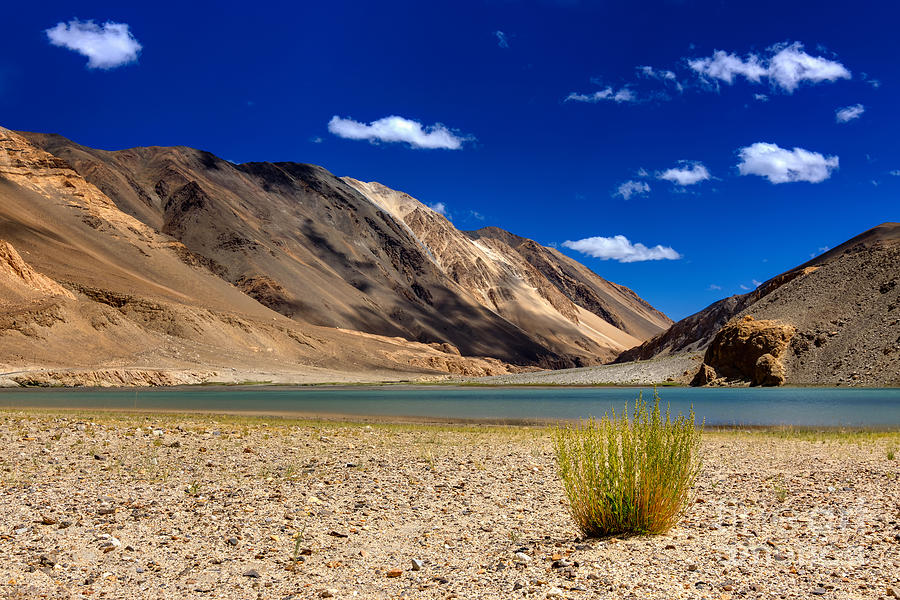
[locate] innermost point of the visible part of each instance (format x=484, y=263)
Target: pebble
x=819, y=591
x=328, y=593
x=395, y=573
x=523, y=557
x=417, y=564
x=252, y=573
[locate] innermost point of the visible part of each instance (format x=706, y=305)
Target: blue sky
x=534, y=114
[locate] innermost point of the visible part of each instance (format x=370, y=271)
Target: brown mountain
x=841, y=311
x=190, y=256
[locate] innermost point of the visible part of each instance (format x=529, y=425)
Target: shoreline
x=346, y=419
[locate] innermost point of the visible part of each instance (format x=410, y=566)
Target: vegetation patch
x=629, y=475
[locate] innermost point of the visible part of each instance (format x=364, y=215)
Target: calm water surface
x=723, y=406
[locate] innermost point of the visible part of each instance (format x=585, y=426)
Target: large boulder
x=749, y=350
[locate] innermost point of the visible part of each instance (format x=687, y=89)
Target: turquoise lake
x=804, y=407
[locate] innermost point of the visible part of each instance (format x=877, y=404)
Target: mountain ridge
x=294, y=240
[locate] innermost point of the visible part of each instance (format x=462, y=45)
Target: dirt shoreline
x=152, y=505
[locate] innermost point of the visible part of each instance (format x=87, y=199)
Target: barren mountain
x=333, y=252
x=172, y=257
x=560, y=302
x=842, y=310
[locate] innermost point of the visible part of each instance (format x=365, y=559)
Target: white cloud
x=632, y=188
x=791, y=65
x=848, y=113
x=725, y=66
x=761, y=97
x=397, y=129
x=502, y=41
x=664, y=74
x=755, y=282
x=782, y=166
x=787, y=67
x=106, y=46
x=687, y=174
x=714, y=288
x=607, y=94
x=440, y=208
x=896, y=172
x=642, y=172
x=744, y=287
x=621, y=249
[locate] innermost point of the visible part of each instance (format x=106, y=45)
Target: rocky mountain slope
x=171, y=257
x=841, y=309
x=85, y=286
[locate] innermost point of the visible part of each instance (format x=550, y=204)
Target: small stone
x=394, y=573
x=819, y=591
x=232, y=541
x=692, y=567
x=891, y=593
x=518, y=585
x=99, y=457
x=48, y=520
x=523, y=557
x=338, y=534
x=252, y=573
x=417, y=564
x=554, y=592
x=329, y=593
x=106, y=510
x=670, y=547
x=780, y=557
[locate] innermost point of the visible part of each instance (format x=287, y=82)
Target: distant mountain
x=843, y=305
x=185, y=255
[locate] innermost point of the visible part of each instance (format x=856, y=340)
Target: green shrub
x=626, y=476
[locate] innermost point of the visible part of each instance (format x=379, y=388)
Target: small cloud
x=761, y=97
x=397, y=129
x=642, y=172
x=316, y=139
x=756, y=283
x=744, y=287
x=874, y=183
x=824, y=249
x=895, y=172
x=476, y=215
x=606, y=94
x=106, y=46
x=632, y=188
x=791, y=65
x=621, y=249
x=687, y=174
x=787, y=66
x=848, y=113
x=783, y=166
x=647, y=71
x=714, y=288
x=664, y=75
x=502, y=40
x=725, y=66
x=440, y=208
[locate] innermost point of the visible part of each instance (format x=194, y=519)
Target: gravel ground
x=159, y=506
x=644, y=372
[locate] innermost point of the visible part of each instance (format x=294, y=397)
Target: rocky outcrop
x=747, y=350
x=18, y=278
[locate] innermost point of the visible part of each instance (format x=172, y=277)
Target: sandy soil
x=160, y=506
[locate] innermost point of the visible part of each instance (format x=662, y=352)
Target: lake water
x=718, y=406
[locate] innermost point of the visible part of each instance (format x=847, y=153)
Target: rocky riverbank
x=160, y=506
